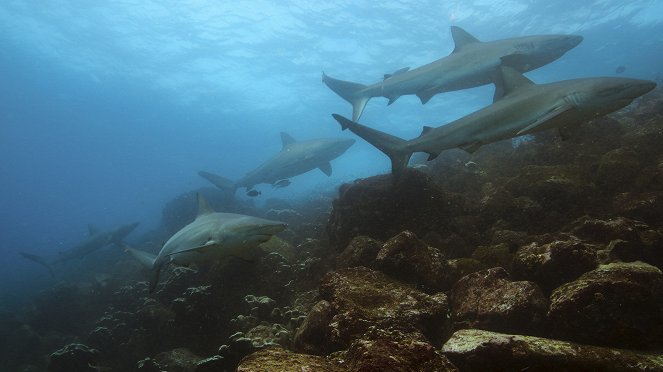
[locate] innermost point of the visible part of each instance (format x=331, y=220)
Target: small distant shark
x=97, y=240
x=523, y=108
x=471, y=64
x=295, y=157
x=210, y=236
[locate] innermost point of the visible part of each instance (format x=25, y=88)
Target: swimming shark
x=523, y=108
x=97, y=239
x=210, y=236
x=472, y=63
x=295, y=157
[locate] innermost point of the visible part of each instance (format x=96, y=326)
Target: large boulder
x=407, y=258
x=380, y=207
x=393, y=350
x=490, y=300
x=360, y=298
x=478, y=350
x=276, y=359
x=555, y=263
x=73, y=357
x=618, y=304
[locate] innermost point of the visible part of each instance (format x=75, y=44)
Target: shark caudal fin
x=388, y=144
x=221, y=182
x=39, y=260
x=350, y=92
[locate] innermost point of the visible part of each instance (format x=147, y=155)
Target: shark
x=523, y=108
x=472, y=63
x=295, y=158
x=97, y=239
x=211, y=235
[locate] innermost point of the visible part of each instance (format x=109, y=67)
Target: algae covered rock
x=381, y=208
x=407, y=258
x=361, y=251
x=73, y=357
x=276, y=359
x=362, y=298
x=555, y=263
x=618, y=304
x=490, y=300
x=478, y=350
x=393, y=350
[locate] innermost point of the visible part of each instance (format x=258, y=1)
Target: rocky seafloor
x=546, y=256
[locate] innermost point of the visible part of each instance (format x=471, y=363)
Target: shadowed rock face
x=619, y=304
x=490, y=300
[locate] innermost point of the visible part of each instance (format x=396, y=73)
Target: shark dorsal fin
x=203, y=206
x=462, y=38
x=509, y=81
x=425, y=130
x=286, y=139
x=92, y=230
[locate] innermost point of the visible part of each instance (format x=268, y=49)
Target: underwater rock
x=490, y=300
x=379, y=208
x=212, y=364
x=261, y=306
x=552, y=264
x=148, y=365
x=393, y=350
x=458, y=268
x=73, y=357
x=276, y=359
x=500, y=255
x=313, y=334
x=361, y=251
x=362, y=298
x=407, y=258
x=498, y=204
x=618, y=304
x=478, y=350
x=603, y=231
x=177, y=360
x=617, y=170
x=556, y=188
x=647, y=207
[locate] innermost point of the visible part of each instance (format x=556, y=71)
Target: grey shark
x=524, y=108
x=96, y=240
x=471, y=64
x=295, y=157
x=210, y=236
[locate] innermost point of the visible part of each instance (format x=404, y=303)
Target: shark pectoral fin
x=326, y=169
x=145, y=259
x=471, y=147
x=392, y=100
x=199, y=249
x=426, y=95
x=155, y=278
x=540, y=123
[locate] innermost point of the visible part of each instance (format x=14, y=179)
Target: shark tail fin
x=388, y=144
x=38, y=259
x=350, y=92
x=223, y=183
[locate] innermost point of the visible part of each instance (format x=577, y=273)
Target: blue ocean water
x=110, y=108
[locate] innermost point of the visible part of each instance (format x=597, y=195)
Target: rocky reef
x=545, y=255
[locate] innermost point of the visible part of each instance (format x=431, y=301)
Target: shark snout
x=573, y=40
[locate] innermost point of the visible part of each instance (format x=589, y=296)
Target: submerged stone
x=478, y=350
x=619, y=304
